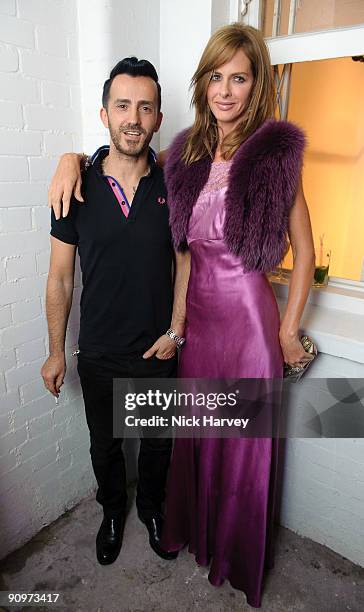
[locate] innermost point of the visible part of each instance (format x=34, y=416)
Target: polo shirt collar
x=102, y=152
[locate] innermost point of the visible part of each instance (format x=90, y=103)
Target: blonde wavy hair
x=222, y=46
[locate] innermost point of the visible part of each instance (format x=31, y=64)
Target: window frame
x=287, y=49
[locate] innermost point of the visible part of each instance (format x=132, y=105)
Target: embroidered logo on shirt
x=161, y=200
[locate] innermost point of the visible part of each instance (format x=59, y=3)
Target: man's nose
x=134, y=117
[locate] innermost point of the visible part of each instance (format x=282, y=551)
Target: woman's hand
x=65, y=182
x=163, y=348
x=293, y=352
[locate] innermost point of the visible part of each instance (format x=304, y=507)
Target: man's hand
x=66, y=180
x=163, y=348
x=53, y=373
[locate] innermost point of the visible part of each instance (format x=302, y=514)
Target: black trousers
x=96, y=371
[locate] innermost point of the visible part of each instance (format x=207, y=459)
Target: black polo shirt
x=126, y=263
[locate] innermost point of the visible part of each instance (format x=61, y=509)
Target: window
x=282, y=17
x=326, y=99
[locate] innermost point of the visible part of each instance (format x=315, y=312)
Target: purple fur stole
x=262, y=185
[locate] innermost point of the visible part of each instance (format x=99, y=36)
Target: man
x=123, y=238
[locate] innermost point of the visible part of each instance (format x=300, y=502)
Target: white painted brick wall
x=49, y=67
x=14, y=168
x=42, y=168
x=15, y=219
x=17, y=32
x=44, y=457
x=56, y=144
x=17, y=87
x=26, y=310
x=9, y=58
x=56, y=94
x=52, y=41
x=20, y=143
x=18, y=194
x=11, y=115
x=8, y=7
x=58, y=13
x=5, y=316
x=20, y=266
x=30, y=351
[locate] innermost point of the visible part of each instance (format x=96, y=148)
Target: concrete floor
x=307, y=576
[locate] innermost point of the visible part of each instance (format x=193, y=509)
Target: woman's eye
x=215, y=77
x=240, y=79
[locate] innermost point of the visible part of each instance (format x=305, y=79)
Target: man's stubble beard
x=134, y=149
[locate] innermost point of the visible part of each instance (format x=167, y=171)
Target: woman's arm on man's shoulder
x=65, y=182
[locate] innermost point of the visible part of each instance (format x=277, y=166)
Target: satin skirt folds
x=221, y=494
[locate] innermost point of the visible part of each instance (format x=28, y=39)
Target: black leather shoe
x=109, y=539
x=154, y=526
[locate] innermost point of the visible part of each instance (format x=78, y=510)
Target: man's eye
x=147, y=109
x=122, y=106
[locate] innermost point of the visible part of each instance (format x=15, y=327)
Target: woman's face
x=228, y=91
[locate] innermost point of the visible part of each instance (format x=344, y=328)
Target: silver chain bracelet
x=177, y=339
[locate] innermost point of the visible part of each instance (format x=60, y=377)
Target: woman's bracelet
x=177, y=339
x=85, y=162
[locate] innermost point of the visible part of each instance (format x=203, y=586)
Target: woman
x=234, y=191
x=232, y=179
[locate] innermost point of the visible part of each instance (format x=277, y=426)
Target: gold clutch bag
x=294, y=373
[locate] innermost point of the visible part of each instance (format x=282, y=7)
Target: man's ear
x=159, y=121
x=104, y=117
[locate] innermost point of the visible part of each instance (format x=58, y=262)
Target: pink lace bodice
x=218, y=177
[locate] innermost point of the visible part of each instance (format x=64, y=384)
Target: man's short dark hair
x=133, y=67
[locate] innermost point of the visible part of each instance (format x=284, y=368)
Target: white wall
x=185, y=27
x=44, y=463
x=109, y=31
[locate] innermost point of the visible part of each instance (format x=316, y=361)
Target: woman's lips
x=224, y=106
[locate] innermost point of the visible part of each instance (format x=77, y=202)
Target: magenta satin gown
x=221, y=492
